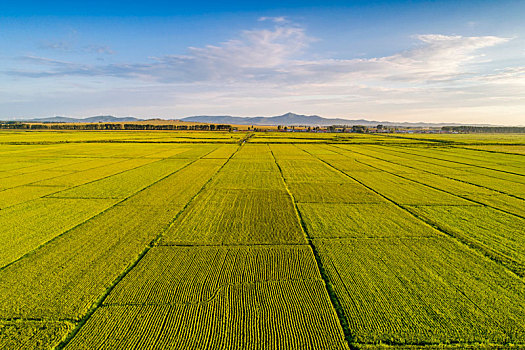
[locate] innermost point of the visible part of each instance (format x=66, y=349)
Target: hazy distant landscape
x=287, y=119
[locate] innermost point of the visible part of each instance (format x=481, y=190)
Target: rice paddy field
x=219, y=240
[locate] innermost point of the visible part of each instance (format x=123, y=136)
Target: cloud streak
x=268, y=67
x=274, y=56
x=280, y=19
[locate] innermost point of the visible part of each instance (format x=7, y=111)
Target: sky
x=431, y=61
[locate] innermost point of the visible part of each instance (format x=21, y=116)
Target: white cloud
x=274, y=56
x=280, y=19
x=265, y=70
x=507, y=75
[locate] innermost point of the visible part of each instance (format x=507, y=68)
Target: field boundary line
x=35, y=183
x=234, y=245
x=490, y=151
x=427, y=222
x=336, y=305
x=98, y=303
x=94, y=216
x=445, y=191
x=246, y=138
x=436, y=188
x=468, y=164
x=442, y=175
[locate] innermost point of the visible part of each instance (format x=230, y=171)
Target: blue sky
x=435, y=61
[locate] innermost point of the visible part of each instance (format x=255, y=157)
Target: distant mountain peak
x=293, y=119
x=288, y=118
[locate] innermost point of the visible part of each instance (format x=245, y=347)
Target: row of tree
x=113, y=126
x=484, y=129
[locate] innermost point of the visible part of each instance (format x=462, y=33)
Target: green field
x=219, y=240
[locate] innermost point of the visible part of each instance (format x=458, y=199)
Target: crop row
x=494, y=233
x=398, y=280
x=190, y=275
x=237, y=216
x=124, y=184
x=275, y=315
x=423, y=290
x=64, y=277
x=250, y=297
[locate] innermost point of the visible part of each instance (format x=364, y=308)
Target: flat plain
x=236, y=240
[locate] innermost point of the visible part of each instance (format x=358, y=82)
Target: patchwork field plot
x=280, y=315
x=237, y=217
x=197, y=297
x=192, y=275
x=362, y=220
x=422, y=290
x=496, y=234
x=217, y=240
x=329, y=192
x=124, y=184
x=27, y=226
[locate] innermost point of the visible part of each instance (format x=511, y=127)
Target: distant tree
x=359, y=129
x=484, y=129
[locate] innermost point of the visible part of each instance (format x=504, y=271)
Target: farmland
x=237, y=240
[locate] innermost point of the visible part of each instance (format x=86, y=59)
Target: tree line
x=484, y=129
x=114, y=126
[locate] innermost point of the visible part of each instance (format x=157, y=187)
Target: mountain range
x=288, y=119
x=292, y=119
